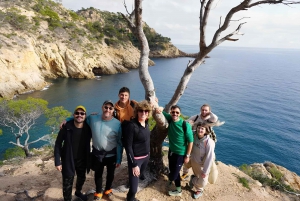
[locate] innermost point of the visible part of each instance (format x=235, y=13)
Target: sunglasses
x=175, y=112
x=110, y=108
x=141, y=111
x=79, y=113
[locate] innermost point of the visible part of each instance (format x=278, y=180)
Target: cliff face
x=41, y=39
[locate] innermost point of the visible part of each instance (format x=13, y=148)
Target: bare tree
x=21, y=115
x=136, y=25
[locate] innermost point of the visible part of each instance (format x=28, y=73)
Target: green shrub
x=13, y=153
x=74, y=15
x=69, y=25
x=274, y=182
x=111, y=42
x=275, y=173
x=244, y=182
x=246, y=169
x=50, y=13
x=16, y=20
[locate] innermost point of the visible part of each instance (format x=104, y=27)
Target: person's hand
x=62, y=124
x=186, y=159
x=118, y=165
x=203, y=175
x=136, y=171
x=59, y=168
x=191, y=122
x=158, y=110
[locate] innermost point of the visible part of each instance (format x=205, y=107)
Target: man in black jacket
x=71, y=152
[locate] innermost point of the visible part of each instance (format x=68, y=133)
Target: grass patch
x=244, y=182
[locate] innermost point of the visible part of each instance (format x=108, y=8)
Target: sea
x=256, y=91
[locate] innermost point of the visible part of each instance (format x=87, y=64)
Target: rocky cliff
x=40, y=39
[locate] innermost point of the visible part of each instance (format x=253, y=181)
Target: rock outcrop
x=33, y=47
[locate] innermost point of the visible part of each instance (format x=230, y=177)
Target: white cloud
x=268, y=25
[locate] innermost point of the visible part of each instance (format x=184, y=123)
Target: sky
x=267, y=26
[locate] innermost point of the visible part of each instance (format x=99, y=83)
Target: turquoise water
x=255, y=91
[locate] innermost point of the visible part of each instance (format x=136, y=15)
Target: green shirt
x=178, y=140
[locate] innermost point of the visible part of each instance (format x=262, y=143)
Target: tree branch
x=41, y=138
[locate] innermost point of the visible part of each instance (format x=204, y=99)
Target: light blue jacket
x=106, y=135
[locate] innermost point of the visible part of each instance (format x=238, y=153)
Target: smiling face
x=205, y=111
x=107, y=111
x=175, y=113
x=79, y=115
x=143, y=115
x=201, y=131
x=124, y=97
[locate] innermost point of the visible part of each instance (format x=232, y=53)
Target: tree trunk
x=156, y=154
x=26, y=150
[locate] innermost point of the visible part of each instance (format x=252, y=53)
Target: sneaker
x=184, y=177
x=175, y=193
x=98, y=196
x=191, y=182
x=108, y=193
x=198, y=194
x=81, y=196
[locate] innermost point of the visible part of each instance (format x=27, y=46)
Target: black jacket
x=136, y=143
x=63, y=153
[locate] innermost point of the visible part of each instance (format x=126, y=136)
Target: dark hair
x=124, y=89
x=174, y=107
x=204, y=125
x=142, y=105
x=206, y=105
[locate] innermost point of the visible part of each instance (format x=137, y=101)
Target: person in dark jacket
x=137, y=145
x=71, y=152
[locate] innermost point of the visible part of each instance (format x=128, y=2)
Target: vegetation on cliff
x=73, y=27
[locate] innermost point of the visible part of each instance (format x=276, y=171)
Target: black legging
x=110, y=163
x=80, y=168
x=175, y=163
x=133, y=180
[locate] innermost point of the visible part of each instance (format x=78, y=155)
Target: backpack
x=116, y=115
x=124, y=124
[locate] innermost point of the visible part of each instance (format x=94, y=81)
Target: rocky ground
x=37, y=179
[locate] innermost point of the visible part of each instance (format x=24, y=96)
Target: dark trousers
x=133, y=180
x=80, y=168
x=110, y=163
x=175, y=163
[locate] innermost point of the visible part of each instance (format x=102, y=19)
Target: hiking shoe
x=184, y=177
x=108, y=193
x=175, y=193
x=81, y=196
x=98, y=196
x=198, y=194
x=191, y=182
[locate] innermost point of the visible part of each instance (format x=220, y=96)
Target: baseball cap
x=108, y=102
x=80, y=107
